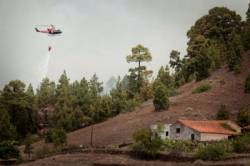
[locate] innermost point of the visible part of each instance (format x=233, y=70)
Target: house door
x=192, y=137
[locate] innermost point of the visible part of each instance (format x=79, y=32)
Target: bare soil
x=102, y=159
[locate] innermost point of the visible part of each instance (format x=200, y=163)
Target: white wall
x=185, y=133
x=212, y=137
x=165, y=129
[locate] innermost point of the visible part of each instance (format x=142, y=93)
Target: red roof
x=209, y=126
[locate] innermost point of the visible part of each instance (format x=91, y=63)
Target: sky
x=97, y=35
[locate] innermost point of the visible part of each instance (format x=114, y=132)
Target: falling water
x=44, y=66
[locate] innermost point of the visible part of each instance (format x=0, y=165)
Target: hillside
x=227, y=88
x=185, y=105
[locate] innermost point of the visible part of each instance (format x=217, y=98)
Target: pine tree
x=248, y=14
x=46, y=93
x=139, y=55
x=63, y=94
x=8, y=131
x=160, y=100
x=20, y=107
x=175, y=60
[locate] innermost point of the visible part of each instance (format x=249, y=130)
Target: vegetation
x=19, y=105
x=216, y=151
x=139, y=54
x=44, y=152
x=8, y=150
x=28, y=149
x=247, y=84
x=222, y=113
x=56, y=136
x=242, y=144
x=202, y=88
x=161, y=100
x=180, y=145
x=121, y=101
x=214, y=39
x=243, y=117
x=7, y=129
x=147, y=143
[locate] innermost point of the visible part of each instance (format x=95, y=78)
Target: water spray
x=44, y=66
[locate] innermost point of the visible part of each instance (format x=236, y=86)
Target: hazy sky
x=97, y=34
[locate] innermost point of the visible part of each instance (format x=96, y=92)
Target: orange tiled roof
x=209, y=126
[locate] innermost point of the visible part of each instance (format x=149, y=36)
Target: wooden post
x=91, y=136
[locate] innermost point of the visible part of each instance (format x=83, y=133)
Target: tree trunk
x=139, y=76
x=91, y=136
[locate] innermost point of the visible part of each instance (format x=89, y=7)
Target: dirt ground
x=97, y=159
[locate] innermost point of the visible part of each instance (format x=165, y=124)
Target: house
x=162, y=130
x=206, y=130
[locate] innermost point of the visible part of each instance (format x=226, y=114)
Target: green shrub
x=216, y=151
x=161, y=100
x=28, y=149
x=130, y=105
x=243, y=117
x=222, y=113
x=242, y=144
x=56, y=136
x=180, y=145
x=246, y=37
x=202, y=88
x=147, y=143
x=8, y=150
x=44, y=152
x=247, y=84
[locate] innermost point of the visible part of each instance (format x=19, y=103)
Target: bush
x=28, y=146
x=161, y=100
x=246, y=37
x=147, y=143
x=56, y=136
x=216, y=151
x=242, y=144
x=8, y=150
x=202, y=88
x=180, y=145
x=243, y=117
x=247, y=84
x=44, y=152
x=222, y=113
x=131, y=104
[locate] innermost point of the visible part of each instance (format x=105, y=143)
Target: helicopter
x=50, y=30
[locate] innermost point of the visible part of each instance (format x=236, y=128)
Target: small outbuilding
x=205, y=130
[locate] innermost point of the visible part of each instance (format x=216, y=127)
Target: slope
x=227, y=88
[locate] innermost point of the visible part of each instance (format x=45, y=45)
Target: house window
x=178, y=130
x=192, y=137
x=166, y=133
